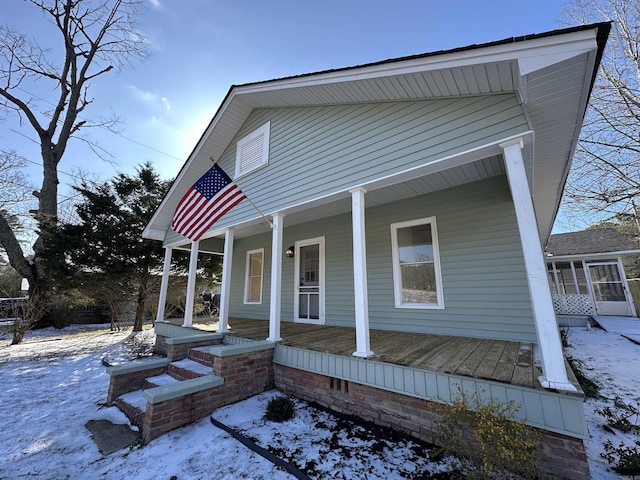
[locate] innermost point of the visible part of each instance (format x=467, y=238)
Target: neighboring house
x=410, y=199
x=586, y=272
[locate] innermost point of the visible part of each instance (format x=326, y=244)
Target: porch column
x=191, y=285
x=276, y=278
x=225, y=288
x=627, y=290
x=554, y=372
x=363, y=347
x=164, y=284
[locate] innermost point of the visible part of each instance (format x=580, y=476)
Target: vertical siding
x=484, y=282
x=317, y=151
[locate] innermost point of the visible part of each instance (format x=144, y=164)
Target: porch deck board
x=489, y=363
x=507, y=362
x=497, y=360
x=473, y=361
x=524, y=371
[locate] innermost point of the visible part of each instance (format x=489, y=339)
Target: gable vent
x=253, y=150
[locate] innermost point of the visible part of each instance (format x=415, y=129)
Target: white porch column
x=363, y=347
x=191, y=285
x=164, y=284
x=553, y=369
x=276, y=278
x=225, y=288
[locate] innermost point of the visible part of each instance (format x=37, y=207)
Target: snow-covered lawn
x=55, y=382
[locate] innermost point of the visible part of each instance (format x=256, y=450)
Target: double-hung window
x=253, y=278
x=416, y=264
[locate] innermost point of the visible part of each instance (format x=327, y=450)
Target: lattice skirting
x=573, y=305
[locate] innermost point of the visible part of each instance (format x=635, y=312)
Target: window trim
x=247, y=285
x=397, y=276
x=264, y=130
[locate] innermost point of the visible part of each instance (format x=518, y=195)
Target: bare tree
x=606, y=174
x=95, y=37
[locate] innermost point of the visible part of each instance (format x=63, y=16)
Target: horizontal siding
x=318, y=151
x=484, y=282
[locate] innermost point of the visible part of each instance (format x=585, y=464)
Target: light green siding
x=484, y=282
x=318, y=151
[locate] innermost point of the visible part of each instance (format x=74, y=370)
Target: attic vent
x=253, y=150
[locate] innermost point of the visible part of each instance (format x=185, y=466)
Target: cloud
x=153, y=99
x=156, y=4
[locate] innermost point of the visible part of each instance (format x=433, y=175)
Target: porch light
x=290, y=252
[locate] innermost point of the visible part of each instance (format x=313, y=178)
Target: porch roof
x=552, y=74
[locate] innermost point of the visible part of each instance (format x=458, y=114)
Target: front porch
x=400, y=387
x=494, y=360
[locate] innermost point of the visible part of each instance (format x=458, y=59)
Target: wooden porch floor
x=497, y=360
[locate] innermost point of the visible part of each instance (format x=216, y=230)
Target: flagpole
x=259, y=211
x=249, y=200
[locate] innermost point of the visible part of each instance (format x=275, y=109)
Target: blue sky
x=202, y=47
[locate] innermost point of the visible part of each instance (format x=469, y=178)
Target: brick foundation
x=565, y=456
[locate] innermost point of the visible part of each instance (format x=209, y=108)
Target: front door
x=309, y=290
x=608, y=289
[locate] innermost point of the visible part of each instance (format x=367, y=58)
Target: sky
x=200, y=48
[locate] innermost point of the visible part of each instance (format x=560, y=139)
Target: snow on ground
x=613, y=362
x=55, y=382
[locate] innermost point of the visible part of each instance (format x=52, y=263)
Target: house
x=586, y=273
x=391, y=251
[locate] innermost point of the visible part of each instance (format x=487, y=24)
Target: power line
x=137, y=142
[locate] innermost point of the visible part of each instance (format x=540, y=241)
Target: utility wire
x=105, y=128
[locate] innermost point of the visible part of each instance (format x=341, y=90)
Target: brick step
x=187, y=369
x=159, y=380
x=133, y=405
x=202, y=355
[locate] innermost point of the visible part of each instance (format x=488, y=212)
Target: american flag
x=213, y=195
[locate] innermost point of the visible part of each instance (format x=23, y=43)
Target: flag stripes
x=213, y=195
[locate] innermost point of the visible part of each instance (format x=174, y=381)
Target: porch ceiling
x=392, y=189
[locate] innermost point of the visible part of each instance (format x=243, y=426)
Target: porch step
x=133, y=405
x=202, y=355
x=159, y=380
x=187, y=369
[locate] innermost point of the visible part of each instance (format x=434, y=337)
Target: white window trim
x=265, y=131
x=397, y=276
x=247, y=285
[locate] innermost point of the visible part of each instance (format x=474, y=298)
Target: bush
x=59, y=314
x=280, y=409
x=487, y=439
x=621, y=416
x=625, y=459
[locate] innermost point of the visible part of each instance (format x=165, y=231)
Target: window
x=416, y=264
x=253, y=282
x=252, y=151
x=571, y=278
